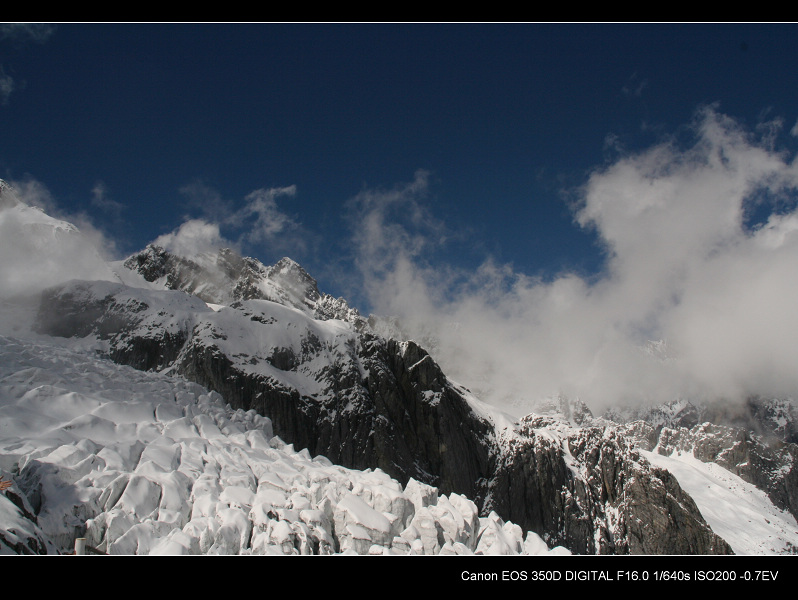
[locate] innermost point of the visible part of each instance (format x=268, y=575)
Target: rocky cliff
x=590, y=490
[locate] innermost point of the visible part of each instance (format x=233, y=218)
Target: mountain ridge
x=271, y=344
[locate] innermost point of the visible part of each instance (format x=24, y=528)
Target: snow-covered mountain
x=213, y=404
x=143, y=463
x=225, y=277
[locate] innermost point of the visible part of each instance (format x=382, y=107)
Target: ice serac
x=364, y=401
x=138, y=462
x=292, y=361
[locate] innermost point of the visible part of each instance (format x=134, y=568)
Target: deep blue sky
x=507, y=120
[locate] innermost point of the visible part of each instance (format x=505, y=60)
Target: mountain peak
x=296, y=280
x=227, y=277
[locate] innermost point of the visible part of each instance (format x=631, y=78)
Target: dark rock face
x=295, y=280
x=770, y=418
x=155, y=263
x=79, y=312
x=754, y=440
x=220, y=278
x=609, y=500
x=430, y=424
x=381, y=403
x=531, y=483
x=28, y=539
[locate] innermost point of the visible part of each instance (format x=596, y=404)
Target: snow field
x=740, y=513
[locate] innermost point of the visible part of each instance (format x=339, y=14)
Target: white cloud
x=38, y=250
x=192, y=238
x=101, y=199
x=258, y=221
x=683, y=265
x=260, y=216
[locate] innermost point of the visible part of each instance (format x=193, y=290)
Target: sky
x=582, y=197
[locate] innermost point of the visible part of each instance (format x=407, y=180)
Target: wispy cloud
x=19, y=34
x=258, y=221
x=39, y=250
x=685, y=264
x=634, y=86
x=26, y=32
x=101, y=199
x=192, y=238
x=7, y=86
x=261, y=219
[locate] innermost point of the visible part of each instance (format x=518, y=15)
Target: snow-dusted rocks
x=772, y=467
x=590, y=490
x=225, y=277
x=19, y=532
x=366, y=403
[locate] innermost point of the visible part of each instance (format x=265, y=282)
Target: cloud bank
x=697, y=298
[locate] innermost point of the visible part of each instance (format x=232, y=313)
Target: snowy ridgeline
x=143, y=463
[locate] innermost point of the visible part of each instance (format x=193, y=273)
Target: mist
x=38, y=250
x=697, y=298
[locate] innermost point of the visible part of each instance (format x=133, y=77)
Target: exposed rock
x=137, y=335
x=8, y=198
x=403, y=418
x=592, y=492
x=21, y=534
x=380, y=403
x=769, y=418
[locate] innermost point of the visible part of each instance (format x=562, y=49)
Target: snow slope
x=737, y=511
